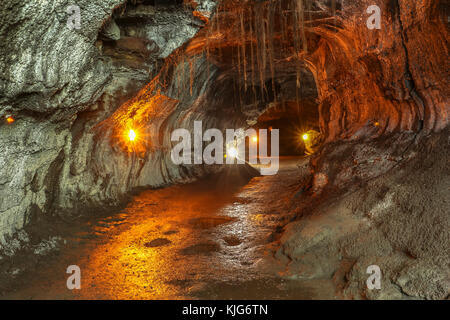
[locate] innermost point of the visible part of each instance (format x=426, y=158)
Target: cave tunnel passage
x=144, y=227
x=288, y=102
x=197, y=240
x=203, y=239
x=293, y=113
x=281, y=104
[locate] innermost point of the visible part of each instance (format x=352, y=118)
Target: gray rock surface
x=45, y=66
x=70, y=92
x=398, y=221
x=59, y=83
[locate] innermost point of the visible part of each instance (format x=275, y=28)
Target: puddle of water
x=209, y=222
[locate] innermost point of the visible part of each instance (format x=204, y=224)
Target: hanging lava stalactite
x=253, y=41
x=261, y=34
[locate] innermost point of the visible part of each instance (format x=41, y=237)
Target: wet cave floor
x=193, y=241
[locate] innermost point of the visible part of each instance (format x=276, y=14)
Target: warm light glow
x=10, y=120
x=377, y=124
x=305, y=137
x=132, y=135
x=255, y=139
x=232, y=152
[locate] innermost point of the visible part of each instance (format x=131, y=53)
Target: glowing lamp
x=132, y=135
x=305, y=137
x=9, y=120
x=255, y=139
x=232, y=152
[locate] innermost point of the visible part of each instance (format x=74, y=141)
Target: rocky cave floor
x=272, y=237
x=375, y=193
x=200, y=240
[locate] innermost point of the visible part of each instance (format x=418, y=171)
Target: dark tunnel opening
x=294, y=113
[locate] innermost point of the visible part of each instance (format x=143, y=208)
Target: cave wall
x=379, y=81
x=48, y=72
x=387, y=83
x=59, y=84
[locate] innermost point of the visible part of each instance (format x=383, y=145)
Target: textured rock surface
x=74, y=93
x=46, y=67
x=398, y=221
x=392, y=76
x=58, y=84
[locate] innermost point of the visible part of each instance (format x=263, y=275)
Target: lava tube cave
x=224, y=149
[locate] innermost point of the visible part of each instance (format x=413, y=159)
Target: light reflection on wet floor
x=182, y=242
